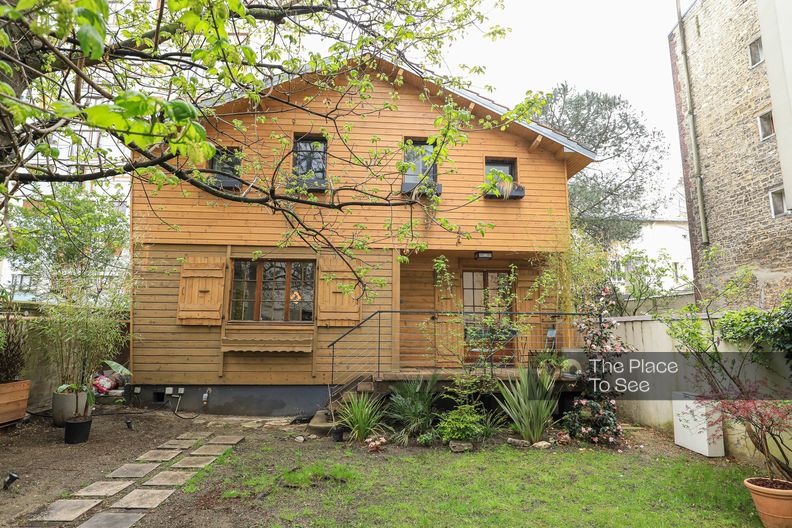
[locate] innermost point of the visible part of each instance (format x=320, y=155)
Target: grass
x=497, y=486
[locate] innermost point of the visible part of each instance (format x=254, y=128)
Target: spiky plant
x=362, y=414
x=529, y=400
x=411, y=408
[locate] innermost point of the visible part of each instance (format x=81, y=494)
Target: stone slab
x=227, y=440
x=104, y=488
x=134, y=470
x=112, y=520
x=143, y=499
x=212, y=450
x=194, y=435
x=158, y=455
x=178, y=444
x=194, y=462
x=170, y=478
x=66, y=510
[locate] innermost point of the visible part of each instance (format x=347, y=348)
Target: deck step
x=321, y=423
x=365, y=386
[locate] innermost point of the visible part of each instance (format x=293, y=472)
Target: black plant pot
x=77, y=430
x=337, y=434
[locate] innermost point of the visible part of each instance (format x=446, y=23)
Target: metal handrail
x=434, y=313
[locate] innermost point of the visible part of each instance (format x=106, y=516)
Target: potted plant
x=769, y=422
x=79, y=338
x=14, y=392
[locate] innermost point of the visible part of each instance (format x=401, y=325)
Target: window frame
x=751, y=63
x=221, y=180
x=486, y=287
x=785, y=211
x=762, y=136
x=419, y=142
x=502, y=161
x=314, y=184
x=259, y=274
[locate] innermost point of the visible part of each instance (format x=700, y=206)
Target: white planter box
x=691, y=428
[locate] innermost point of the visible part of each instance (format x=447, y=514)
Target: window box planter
x=13, y=401
x=408, y=188
x=513, y=191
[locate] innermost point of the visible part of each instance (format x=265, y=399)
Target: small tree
x=761, y=410
x=641, y=283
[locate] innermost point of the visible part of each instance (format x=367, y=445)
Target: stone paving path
x=124, y=512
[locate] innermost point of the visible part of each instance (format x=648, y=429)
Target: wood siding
x=180, y=224
x=165, y=351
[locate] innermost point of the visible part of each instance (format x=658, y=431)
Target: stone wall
x=738, y=169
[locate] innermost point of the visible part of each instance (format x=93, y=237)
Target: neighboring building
x=732, y=69
x=221, y=309
x=669, y=237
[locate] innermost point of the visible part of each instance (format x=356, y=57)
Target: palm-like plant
x=529, y=401
x=410, y=408
x=362, y=414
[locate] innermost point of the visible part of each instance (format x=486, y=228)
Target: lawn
x=271, y=480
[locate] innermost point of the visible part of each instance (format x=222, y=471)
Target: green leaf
x=183, y=111
x=118, y=368
x=6, y=89
x=65, y=109
x=25, y=4
x=100, y=7
x=90, y=41
x=6, y=68
x=5, y=42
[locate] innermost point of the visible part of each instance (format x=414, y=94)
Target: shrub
x=594, y=420
x=427, y=439
x=529, y=401
x=465, y=423
x=410, y=408
x=362, y=414
x=12, y=352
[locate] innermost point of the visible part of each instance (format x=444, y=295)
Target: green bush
x=594, y=420
x=529, y=401
x=362, y=414
x=465, y=423
x=410, y=408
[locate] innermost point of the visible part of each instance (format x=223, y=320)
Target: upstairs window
x=766, y=125
x=310, y=161
x=228, y=161
x=756, y=52
x=778, y=205
x=508, y=190
x=273, y=290
x=420, y=155
x=502, y=165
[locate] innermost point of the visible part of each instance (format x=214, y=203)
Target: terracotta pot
x=13, y=400
x=63, y=406
x=774, y=505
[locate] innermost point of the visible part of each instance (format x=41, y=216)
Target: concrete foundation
x=246, y=400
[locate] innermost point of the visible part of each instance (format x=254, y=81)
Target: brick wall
x=738, y=169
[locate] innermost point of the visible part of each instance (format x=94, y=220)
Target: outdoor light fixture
x=129, y=423
x=482, y=255
x=10, y=479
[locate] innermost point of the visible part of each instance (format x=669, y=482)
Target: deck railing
x=391, y=341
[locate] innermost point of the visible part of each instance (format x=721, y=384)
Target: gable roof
x=576, y=155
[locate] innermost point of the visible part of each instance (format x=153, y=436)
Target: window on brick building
x=766, y=125
x=756, y=52
x=778, y=205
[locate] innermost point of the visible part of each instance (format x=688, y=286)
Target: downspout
x=690, y=119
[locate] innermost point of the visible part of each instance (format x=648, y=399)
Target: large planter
x=774, y=505
x=64, y=405
x=13, y=401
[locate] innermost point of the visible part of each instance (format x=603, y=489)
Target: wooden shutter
x=336, y=308
x=201, y=291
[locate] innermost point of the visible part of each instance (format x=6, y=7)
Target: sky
x=615, y=46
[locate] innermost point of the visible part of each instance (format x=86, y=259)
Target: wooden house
x=244, y=323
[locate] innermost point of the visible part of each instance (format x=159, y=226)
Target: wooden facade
x=185, y=243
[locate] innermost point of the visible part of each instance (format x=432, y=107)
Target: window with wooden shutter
x=336, y=308
x=201, y=291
